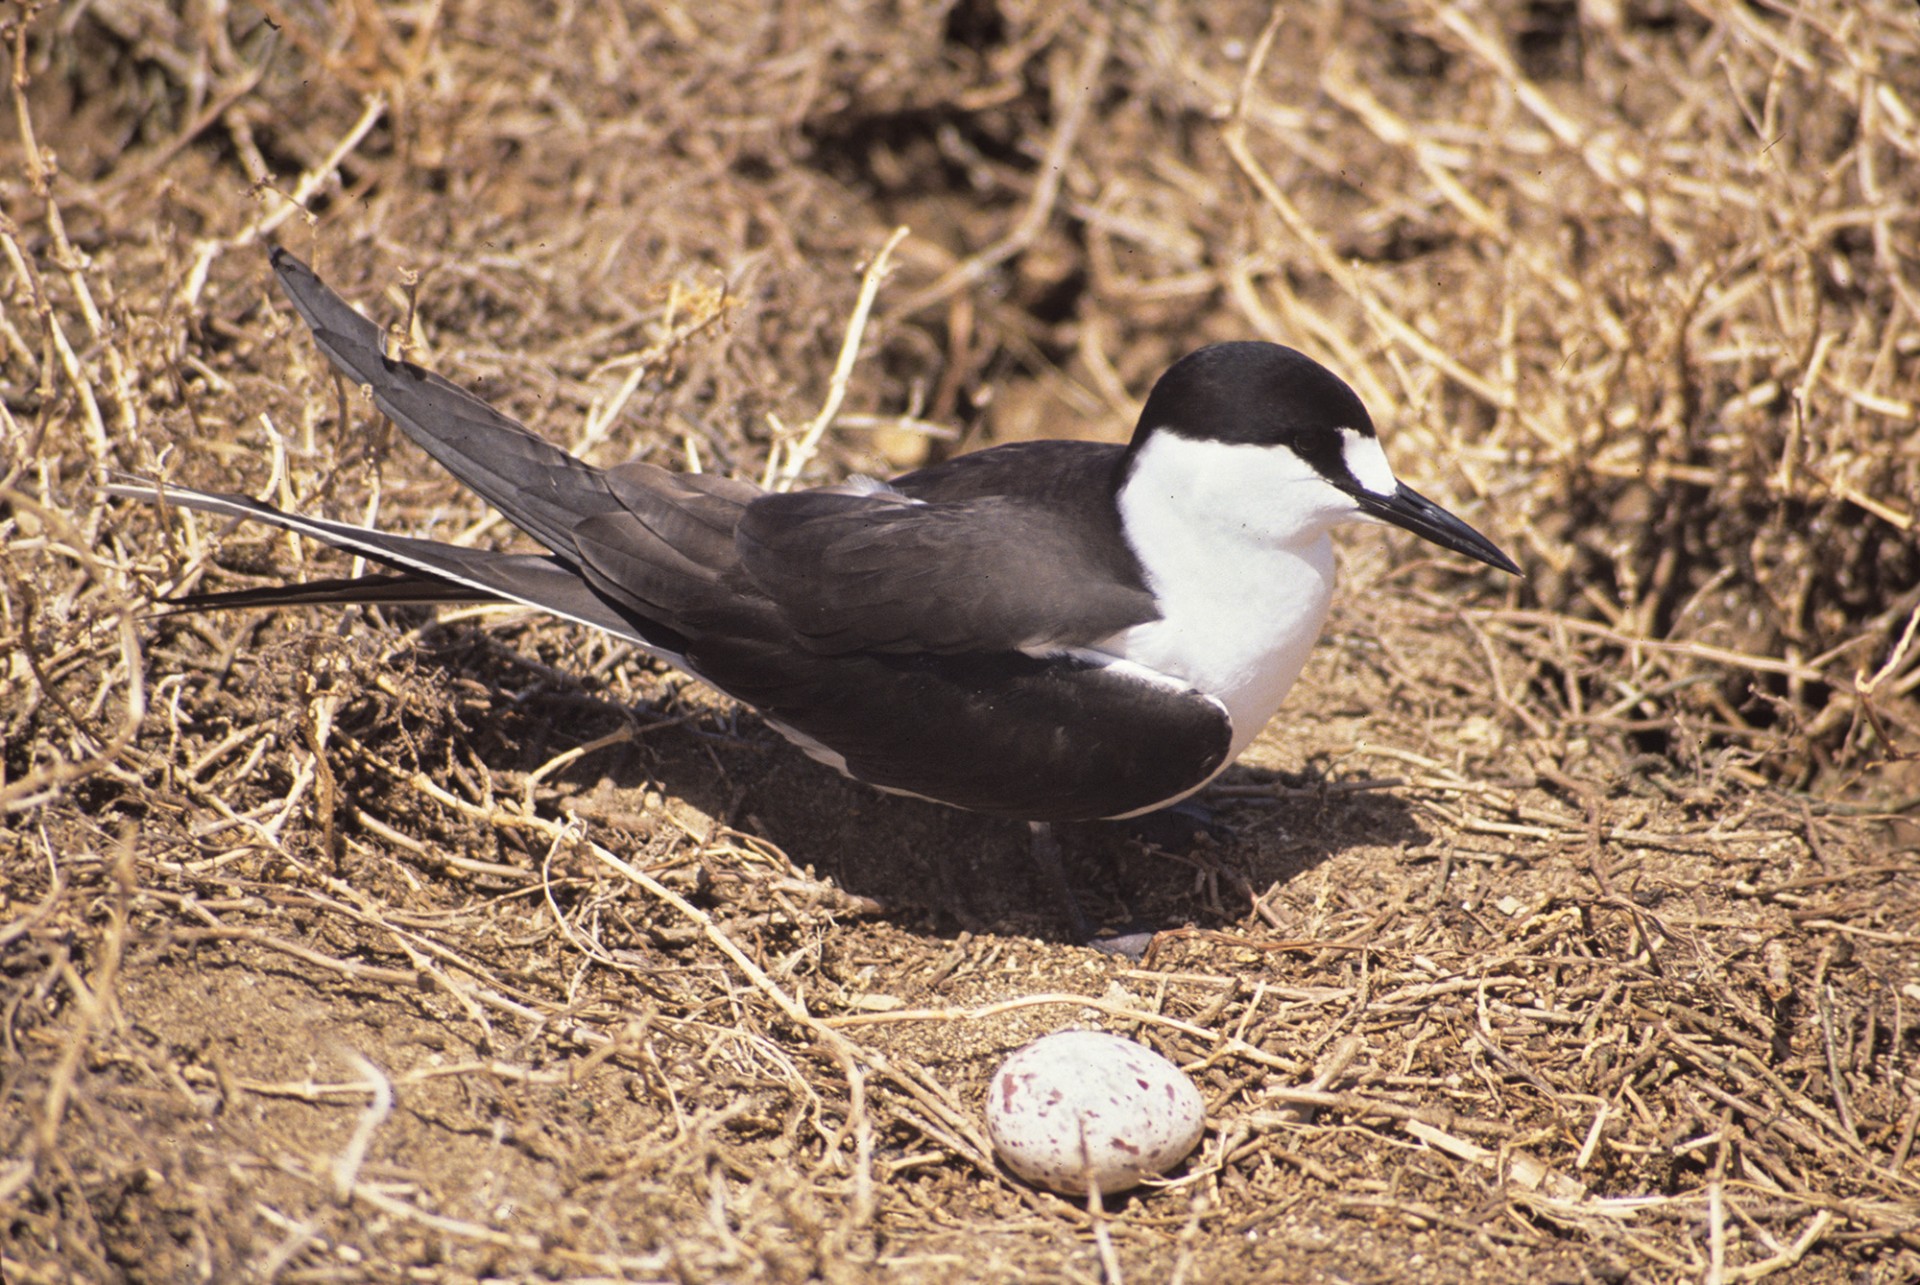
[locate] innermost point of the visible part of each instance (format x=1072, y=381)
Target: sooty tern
x=1046, y=631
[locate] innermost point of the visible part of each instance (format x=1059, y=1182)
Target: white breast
x=1234, y=543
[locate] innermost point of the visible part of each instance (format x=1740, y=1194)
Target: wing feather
x=872, y=573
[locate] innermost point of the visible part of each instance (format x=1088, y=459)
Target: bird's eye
x=1320, y=447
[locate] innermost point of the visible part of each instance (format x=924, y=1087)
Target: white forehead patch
x=1367, y=462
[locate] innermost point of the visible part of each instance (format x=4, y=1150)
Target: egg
x=1080, y=1105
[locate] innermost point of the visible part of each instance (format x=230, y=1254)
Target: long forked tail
x=536, y=486
x=427, y=571
x=644, y=554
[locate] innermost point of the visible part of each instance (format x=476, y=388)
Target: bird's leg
x=1046, y=857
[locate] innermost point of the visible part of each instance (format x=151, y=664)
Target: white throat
x=1234, y=542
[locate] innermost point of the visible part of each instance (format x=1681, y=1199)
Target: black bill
x=1408, y=508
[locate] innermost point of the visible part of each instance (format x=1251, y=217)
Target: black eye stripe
x=1324, y=448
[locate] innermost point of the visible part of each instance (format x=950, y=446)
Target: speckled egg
x=1084, y=1104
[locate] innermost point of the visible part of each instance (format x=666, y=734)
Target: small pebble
x=1080, y=1105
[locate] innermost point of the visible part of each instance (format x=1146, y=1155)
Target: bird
x=1045, y=631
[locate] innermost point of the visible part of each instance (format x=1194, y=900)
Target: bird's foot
x=1129, y=943
x=1178, y=828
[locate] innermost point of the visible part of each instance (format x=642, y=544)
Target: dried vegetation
x=1564, y=931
